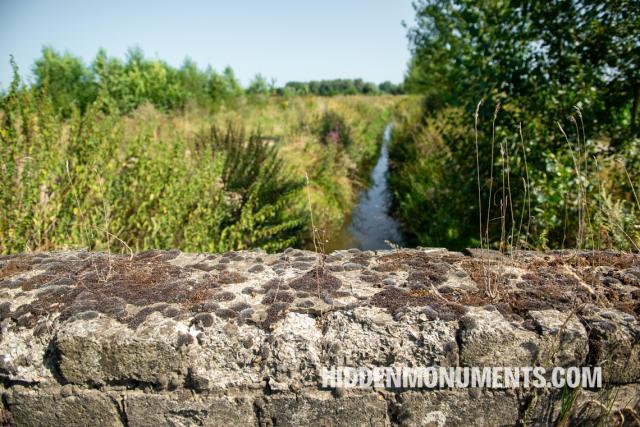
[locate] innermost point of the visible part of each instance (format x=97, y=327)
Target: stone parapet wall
x=170, y=338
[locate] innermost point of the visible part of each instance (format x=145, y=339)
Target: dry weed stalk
x=490, y=286
x=527, y=192
x=581, y=201
x=493, y=143
x=477, y=117
x=318, y=241
x=88, y=231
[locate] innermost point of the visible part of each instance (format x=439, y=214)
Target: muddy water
x=370, y=225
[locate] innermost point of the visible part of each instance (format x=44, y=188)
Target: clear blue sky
x=287, y=40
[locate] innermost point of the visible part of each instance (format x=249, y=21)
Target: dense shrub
x=579, y=195
x=334, y=130
x=264, y=191
x=94, y=181
x=558, y=136
x=87, y=175
x=122, y=86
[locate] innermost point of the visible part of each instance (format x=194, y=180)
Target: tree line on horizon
x=123, y=85
x=341, y=87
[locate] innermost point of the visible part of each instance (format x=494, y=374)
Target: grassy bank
x=529, y=132
x=192, y=179
x=495, y=183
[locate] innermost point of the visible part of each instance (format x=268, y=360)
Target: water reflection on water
x=370, y=224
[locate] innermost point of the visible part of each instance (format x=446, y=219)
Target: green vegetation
x=116, y=156
x=340, y=87
x=122, y=86
x=526, y=136
x=552, y=153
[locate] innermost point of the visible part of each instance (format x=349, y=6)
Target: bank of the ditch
x=370, y=225
x=196, y=180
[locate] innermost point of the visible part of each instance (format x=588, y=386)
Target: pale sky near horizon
x=287, y=40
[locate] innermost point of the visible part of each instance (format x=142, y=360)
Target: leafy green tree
x=123, y=85
x=66, y=79
x=388, y=87
x=258, y=86
x=593, y=46
x=544, y=56
x=194, y=82
x=532, y=64
x=232, y=84
x=337, y=87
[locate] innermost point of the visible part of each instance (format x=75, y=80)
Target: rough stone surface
x=321, y=408
x=181, y=408
x=171, y=338
x=459, y=407
x=102, y=351
x=47, y=406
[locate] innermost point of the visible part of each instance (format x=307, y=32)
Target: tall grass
x=175, y=179
x=81, y=183
x=447, y=176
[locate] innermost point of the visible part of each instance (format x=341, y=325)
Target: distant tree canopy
x=259, y=86
x=69, y=82
x=340, y=87
x=123, y=85
x=544, y=56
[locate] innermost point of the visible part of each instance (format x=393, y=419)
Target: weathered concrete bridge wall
x=169, y=338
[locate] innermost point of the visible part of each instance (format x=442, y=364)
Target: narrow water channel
x=370, y=226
